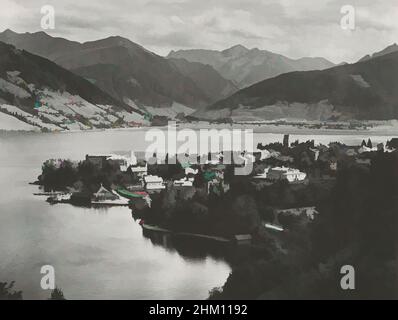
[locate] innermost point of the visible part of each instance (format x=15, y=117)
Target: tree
x=199, y=181
x=370, y=145
x=8, y=293
x=58, y=174
x=57, y=294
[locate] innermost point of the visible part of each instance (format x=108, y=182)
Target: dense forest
x=356, y=226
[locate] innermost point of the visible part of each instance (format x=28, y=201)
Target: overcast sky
x=295, y=28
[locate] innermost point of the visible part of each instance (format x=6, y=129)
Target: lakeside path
x=149, y=227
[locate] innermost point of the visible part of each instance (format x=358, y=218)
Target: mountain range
x=367, y=89
x=390, y=49
x=47, y=96
x=246, y=66
x=55, y=84
x=127, y=71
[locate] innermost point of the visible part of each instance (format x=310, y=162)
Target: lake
x=96, y=253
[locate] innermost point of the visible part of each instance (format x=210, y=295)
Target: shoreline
x=382, y=130
x=155, y=228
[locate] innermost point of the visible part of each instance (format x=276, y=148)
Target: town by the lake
x=299, y=200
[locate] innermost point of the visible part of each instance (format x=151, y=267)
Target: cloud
x=290, y=27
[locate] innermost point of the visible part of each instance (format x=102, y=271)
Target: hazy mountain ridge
x=248, y=66
x=364, y=90
x=127, y=76
x=39, y=43
x=137, y=74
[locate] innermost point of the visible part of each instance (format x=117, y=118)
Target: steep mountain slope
x=206, y=78
x=125, y=70
x=246, y=67
x=43, y=94
x=39, y=43
x=364, y=90
x=390, y=49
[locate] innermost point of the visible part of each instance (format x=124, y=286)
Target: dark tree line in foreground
x=356, y=226
x=7, y=292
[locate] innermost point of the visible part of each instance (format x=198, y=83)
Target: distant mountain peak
x=116, y=41
x=121, y=68
x=8, y=31
x=11, y=32
x=238, y=46
x=246, y=67
x=112, y=41
x=117, y=38
x=236, y=50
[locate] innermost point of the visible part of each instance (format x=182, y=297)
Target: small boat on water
x=60, y=198
x=132, y=195
x=48, y=194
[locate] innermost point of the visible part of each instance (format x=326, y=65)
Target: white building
x=284, y=173
x=140, y=170
x=262, y=175
x=184, y=182
x=135, y=167
x=123, y=161
x=189, y=170
x=153, y=183
x=366, y=149
x=265, y=154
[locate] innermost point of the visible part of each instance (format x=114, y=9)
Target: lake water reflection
x=97, y=254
